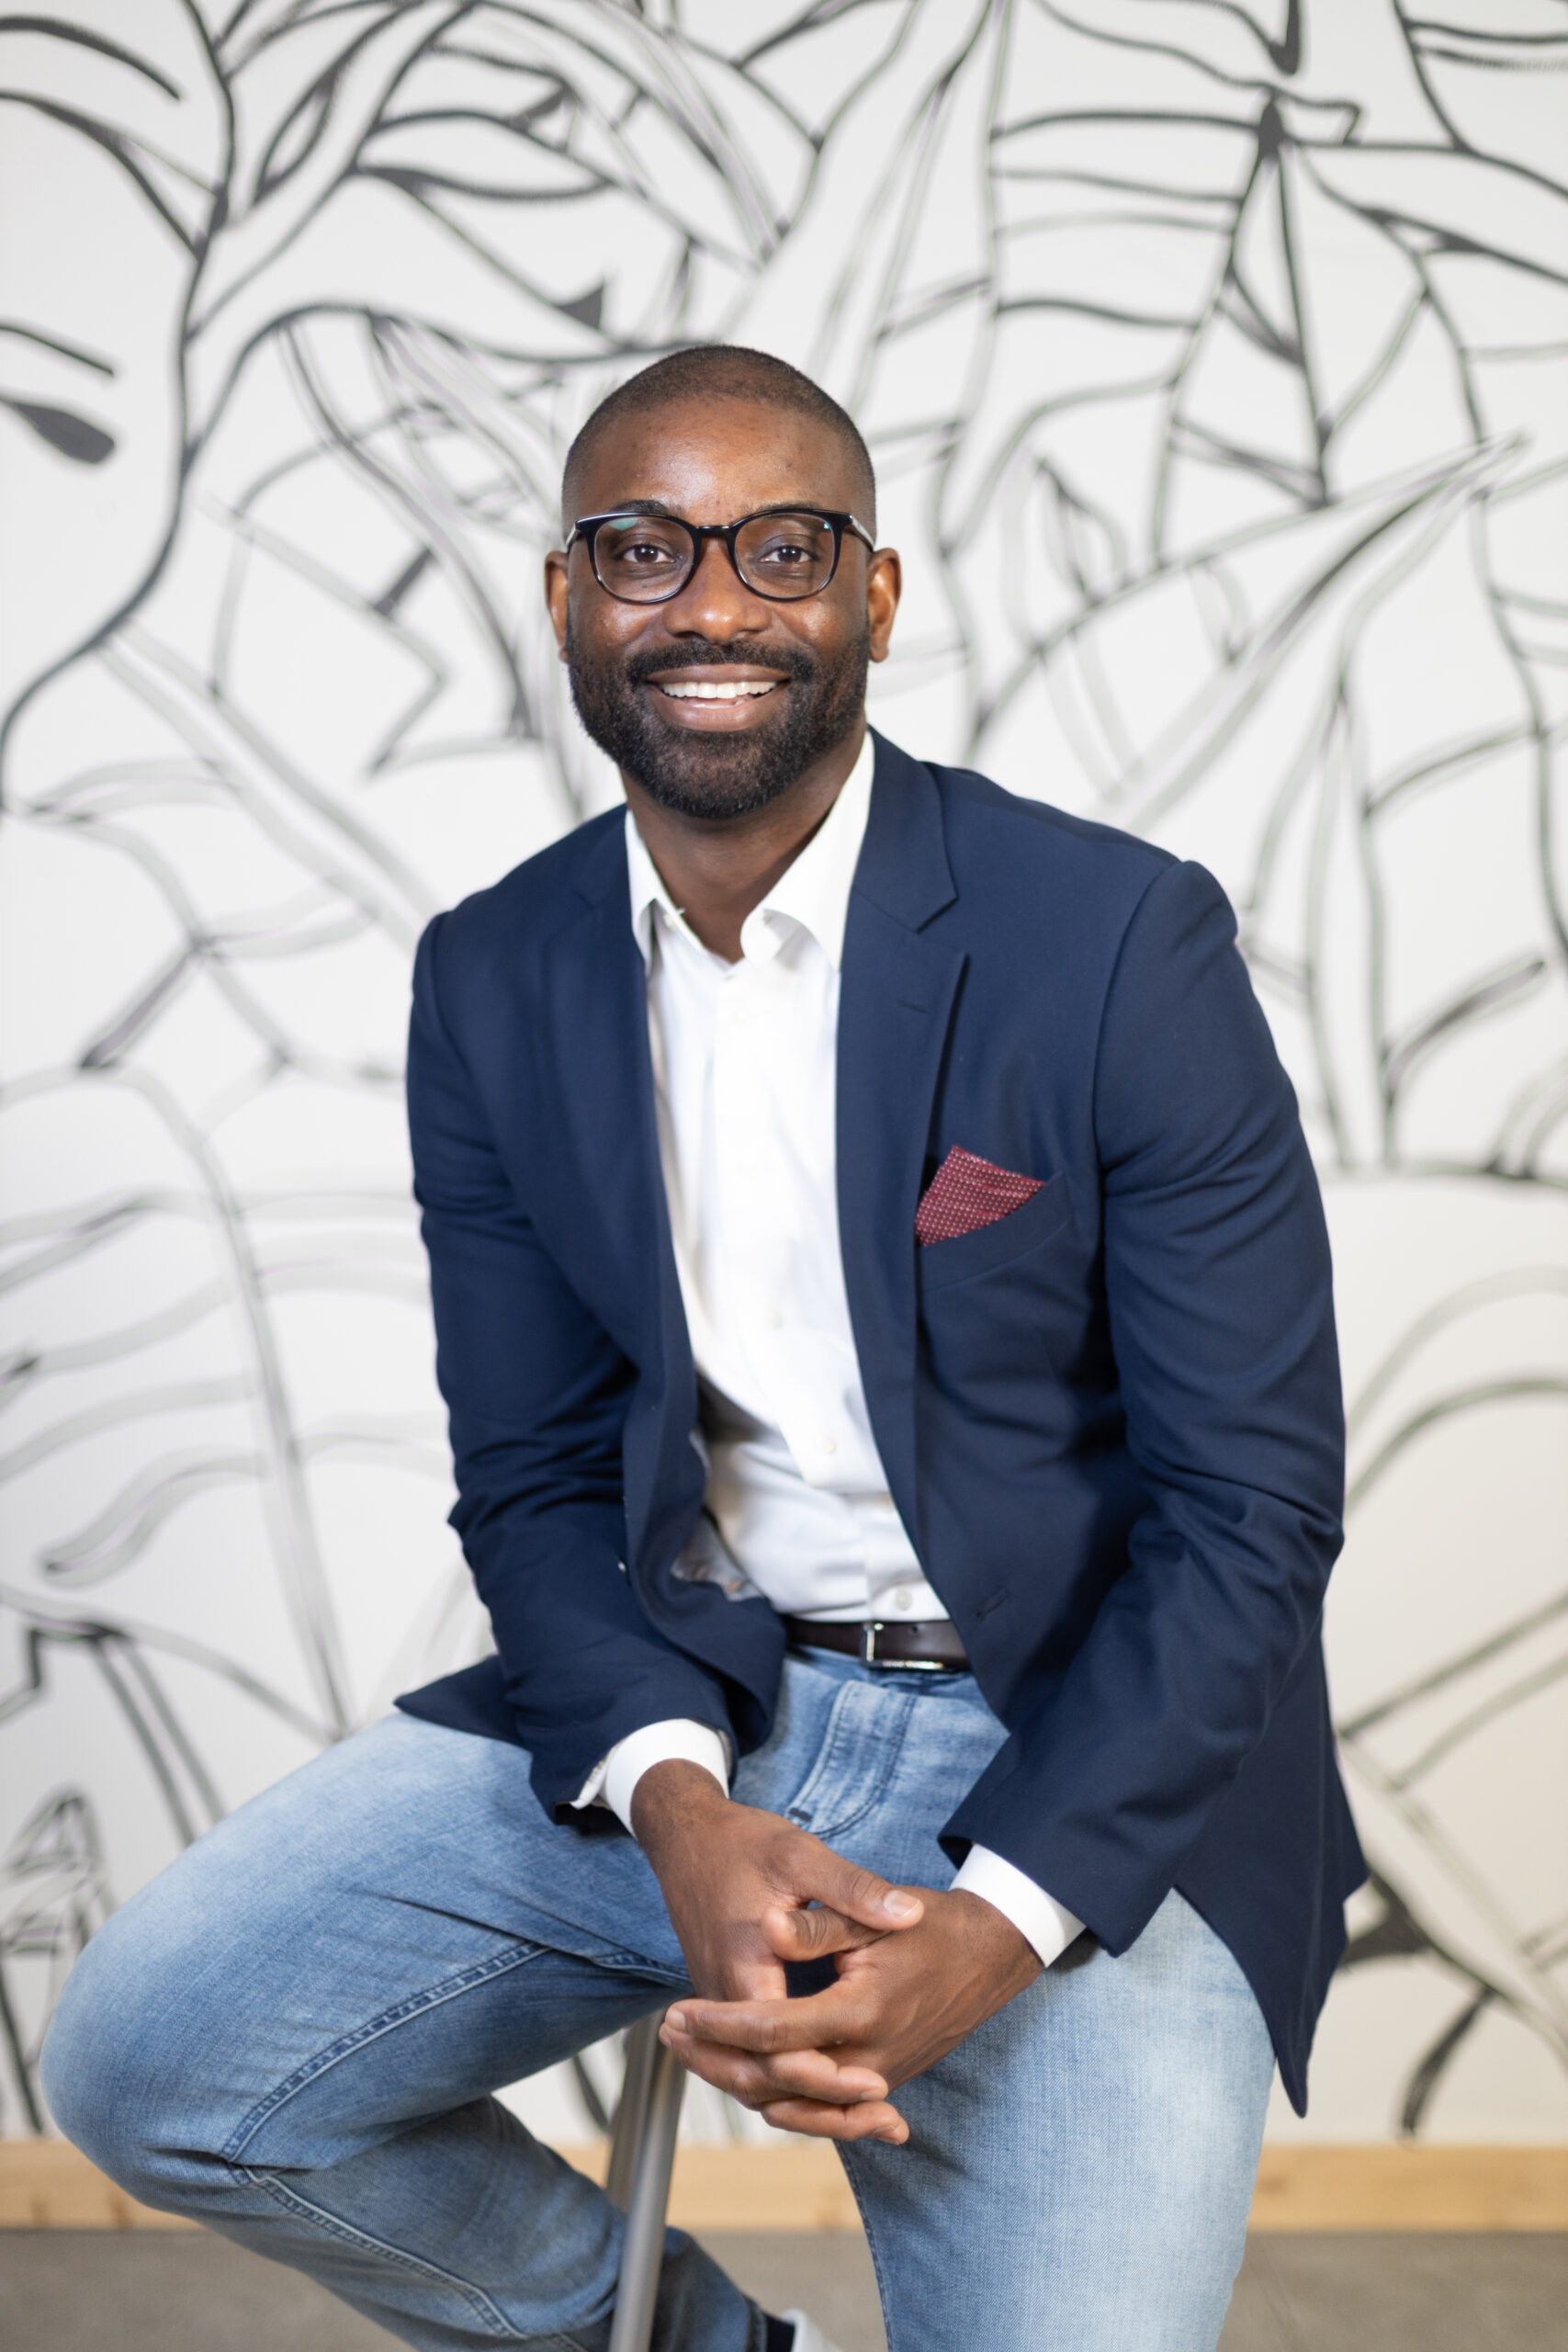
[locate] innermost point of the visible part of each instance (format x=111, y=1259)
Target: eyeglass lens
x=645, y=558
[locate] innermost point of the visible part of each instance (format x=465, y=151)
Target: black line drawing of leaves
x=53, y=1894
x=1085, y=276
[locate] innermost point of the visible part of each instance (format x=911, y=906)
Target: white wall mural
x=1214, y=357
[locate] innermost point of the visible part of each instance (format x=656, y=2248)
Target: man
x=884, y=1309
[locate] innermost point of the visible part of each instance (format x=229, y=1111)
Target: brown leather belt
x=933, y=1644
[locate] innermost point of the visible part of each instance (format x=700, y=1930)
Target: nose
x=715, y=602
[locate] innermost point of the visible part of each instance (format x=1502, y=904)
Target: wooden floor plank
x=46, y=2184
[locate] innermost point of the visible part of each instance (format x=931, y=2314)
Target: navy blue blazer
x=1111, y=1421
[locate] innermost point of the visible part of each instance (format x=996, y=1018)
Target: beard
x=717, y=776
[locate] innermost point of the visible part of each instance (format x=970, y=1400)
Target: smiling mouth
x=721, y=690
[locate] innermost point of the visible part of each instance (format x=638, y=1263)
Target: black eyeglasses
x=648, y=559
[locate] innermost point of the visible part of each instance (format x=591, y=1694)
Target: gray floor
x=66, y=2290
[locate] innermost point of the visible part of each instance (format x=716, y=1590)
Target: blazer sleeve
x=536, y=1395
x=1219, y=1291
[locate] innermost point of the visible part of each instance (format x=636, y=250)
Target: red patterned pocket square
x=967, y=1192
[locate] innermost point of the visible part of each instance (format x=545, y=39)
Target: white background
x=1214, y=365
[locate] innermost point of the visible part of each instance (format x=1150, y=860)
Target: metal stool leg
x=642, y=2156
x=643, y=2046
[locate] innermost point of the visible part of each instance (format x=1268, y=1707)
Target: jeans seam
x=413, y=2005
x=477, y=2299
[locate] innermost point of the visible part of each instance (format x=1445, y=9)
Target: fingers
x=767, y=2026
x=755, y=1980
x=874, y=2120
x=812, y=1935
x=860, y=1894
x=809, y=2074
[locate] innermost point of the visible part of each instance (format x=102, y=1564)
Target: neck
x=717, y=871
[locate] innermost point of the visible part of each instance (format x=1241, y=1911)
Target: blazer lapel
x=896, y=1004
x=614, y=1202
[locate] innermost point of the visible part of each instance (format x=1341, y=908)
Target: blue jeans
x=295, y=2034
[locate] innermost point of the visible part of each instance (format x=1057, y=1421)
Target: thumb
x=860, y=1896
x=811, y=1935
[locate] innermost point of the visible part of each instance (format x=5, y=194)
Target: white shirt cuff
x=614, y=1779
x=1038, y=1916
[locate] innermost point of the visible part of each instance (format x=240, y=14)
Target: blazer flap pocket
x=998, y=1244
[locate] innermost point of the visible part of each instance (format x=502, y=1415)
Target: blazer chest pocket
x=991, y=1246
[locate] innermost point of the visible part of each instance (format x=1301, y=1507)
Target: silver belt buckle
x=870, y=1628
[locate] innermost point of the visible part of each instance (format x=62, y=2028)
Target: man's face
x=706, y=757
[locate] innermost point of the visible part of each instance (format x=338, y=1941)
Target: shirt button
x=903, y=1597
x=830, y=1443
x=774, y=1320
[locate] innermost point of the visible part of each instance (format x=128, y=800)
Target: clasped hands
x=918, y=1971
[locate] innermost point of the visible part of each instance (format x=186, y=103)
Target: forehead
x=711, y=460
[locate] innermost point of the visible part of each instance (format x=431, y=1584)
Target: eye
x=786, y=555
x=790, y=549
x=642, y=545
x=642, y=553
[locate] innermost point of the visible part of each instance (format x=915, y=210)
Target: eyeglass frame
x=587, y=528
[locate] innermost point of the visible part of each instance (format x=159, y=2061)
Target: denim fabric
x=294, y=2035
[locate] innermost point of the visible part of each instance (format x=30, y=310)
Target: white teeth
x=728, y=690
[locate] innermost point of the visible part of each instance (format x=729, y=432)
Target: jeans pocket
x=857, y=1759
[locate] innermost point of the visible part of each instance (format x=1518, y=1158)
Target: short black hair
x=724, y=371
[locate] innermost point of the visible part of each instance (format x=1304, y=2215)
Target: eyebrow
x=656, y=506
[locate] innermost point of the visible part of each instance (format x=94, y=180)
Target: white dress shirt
x=797, y=1508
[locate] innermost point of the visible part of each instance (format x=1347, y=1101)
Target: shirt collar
x=814, y=891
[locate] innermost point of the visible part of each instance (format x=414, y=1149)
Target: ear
x=884, y=587
x=556, y=596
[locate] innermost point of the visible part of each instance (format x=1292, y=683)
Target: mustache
x=702, y=653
